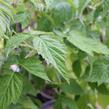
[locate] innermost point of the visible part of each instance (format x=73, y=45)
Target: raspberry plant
x=54, y=54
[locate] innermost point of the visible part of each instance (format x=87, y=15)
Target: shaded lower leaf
x=103, y=89
x=64, y=102
x=77, y=68
x=73, y=87
x=69, y=103
x=28, y=104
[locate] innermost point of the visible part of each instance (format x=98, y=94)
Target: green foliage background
x=62, y=44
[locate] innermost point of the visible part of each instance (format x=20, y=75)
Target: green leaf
x=45, y=23
x=73, y=87
x=58, y=104
x=6, y=16
x=86, y=101
x=67, y=102
x=17, y=106
x=15, y=41
x=53, y=51
x=86, y=44
x=10, y=88
x=23, y=18
x=62, y=12
x=34, y=66
x=103, y=100
x=51, y=3
x=103, y=88
x=100, y=71
x=77, y=68
x=83, y=4
x=64, y=102
x=27, y=103
x=6, y=8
